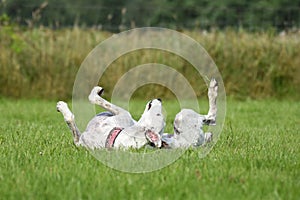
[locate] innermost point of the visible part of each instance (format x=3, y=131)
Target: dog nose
x=159, y=99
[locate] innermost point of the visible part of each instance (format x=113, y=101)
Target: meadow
x=256, y=157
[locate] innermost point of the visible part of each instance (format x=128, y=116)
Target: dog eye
x=176, y=130
x=158, y=114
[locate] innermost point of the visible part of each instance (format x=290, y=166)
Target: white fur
x=134, y=134
x=188, y=124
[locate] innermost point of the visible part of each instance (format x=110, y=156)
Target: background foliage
x=117, y=15
x=254, y=44
x=43, y=63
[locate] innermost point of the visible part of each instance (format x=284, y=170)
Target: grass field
x=256, y=157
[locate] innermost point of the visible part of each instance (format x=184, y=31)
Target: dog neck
x=112, y=136
x=133, y=136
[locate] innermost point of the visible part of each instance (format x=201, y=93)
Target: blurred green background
x=255, y=44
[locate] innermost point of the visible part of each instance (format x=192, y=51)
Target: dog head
x=188, y=128
x=153, y=121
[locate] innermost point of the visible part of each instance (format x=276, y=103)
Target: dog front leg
x=69, y=119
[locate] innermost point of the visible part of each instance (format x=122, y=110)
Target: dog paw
x=95, y=94
x=210, y=121
x=64, y=109
x=213, y=84
x=61, y=106
x=208, y=137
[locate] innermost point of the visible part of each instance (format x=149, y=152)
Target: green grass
x=256, y=157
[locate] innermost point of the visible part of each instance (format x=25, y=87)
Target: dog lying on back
x=117, y=129
x=188, y=124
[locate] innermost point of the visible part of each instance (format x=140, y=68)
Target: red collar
x=111, y=138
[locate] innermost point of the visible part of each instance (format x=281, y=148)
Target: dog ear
x=153, y=137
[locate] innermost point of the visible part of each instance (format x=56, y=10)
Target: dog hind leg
x=95, y=98
x=69, y=119
x=210, y=118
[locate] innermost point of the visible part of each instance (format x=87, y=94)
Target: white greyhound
x=188, y=124
x=116, y=128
